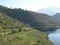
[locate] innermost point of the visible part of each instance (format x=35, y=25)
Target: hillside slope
x=14, y=32
x=36, y=20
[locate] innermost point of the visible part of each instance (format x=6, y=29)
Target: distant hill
x=36, y=20
x=57, y=15
x=50, y=11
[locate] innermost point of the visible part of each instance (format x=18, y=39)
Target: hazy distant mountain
x=57, y=15
x=50, y=11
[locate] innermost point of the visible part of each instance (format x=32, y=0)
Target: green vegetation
x=14, y=32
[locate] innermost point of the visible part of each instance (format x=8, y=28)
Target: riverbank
x=54, y=37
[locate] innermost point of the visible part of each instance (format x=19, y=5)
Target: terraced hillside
x=36, y=20
x=14, y=32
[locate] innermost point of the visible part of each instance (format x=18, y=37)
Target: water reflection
x=55, y=37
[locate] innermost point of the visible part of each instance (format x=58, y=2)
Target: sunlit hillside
x=14, y=32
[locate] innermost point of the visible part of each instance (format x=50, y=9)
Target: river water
x=54, y=37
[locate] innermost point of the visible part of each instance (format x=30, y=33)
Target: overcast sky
x=32, y=5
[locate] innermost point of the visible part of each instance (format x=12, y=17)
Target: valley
x=23, y=27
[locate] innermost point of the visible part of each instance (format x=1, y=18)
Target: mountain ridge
x=36, y=20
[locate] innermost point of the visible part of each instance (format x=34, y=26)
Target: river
x=54, y=37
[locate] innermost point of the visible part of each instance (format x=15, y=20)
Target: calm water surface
x=55, y=37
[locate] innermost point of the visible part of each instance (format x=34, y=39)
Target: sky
x=32, y=5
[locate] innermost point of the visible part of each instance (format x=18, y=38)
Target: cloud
x=40, y=4
x=32, y=5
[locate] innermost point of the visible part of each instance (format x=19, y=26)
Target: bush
x=14, y=31
x=36, y=44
